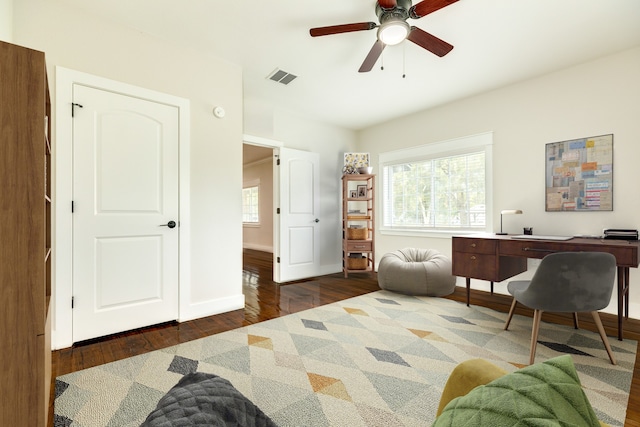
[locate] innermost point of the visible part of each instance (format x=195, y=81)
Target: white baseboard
x=211, y=307
x=255, y=247
x=330, y=269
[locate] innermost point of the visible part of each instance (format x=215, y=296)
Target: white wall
x=595, y=98
x=85, y=43
x=260, y=236
x=6, y=20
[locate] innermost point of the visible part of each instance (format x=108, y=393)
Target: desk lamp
x=507, y=212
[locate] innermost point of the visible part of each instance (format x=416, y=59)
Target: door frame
x=62, y=172
x=275, y=145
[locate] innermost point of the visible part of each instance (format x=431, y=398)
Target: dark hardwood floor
x=264, y=299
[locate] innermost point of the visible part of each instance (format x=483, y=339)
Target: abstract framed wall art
x=579, y=175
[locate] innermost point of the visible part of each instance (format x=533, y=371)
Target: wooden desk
x=496, y=258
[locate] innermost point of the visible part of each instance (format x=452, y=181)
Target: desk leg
x=626, y=292
x=623, y=298
x=468, y=290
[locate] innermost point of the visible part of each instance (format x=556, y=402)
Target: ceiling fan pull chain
x=382, y=61
x=404, y=57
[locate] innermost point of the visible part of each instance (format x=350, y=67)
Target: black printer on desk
x=620, y=234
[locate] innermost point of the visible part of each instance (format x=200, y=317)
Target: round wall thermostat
x=219, y=112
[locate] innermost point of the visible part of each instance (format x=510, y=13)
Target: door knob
x=170, y=224
x=316, y=220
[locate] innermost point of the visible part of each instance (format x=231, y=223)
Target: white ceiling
x=497, y=42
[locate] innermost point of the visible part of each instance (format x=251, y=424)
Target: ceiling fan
x=393, y=28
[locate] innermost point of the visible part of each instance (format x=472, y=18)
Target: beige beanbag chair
x=415, y=271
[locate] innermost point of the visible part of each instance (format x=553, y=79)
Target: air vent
x=281, y=76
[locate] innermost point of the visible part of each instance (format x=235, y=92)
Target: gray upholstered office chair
x=567, y=282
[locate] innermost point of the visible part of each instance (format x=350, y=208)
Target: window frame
x=248, y=185
x=453, y=147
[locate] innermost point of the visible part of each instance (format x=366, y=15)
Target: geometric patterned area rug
x=380, y=359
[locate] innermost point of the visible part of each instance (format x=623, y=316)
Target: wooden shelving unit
x=25, y=237
x=358, y=223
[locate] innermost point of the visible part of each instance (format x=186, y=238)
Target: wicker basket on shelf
x=357, y=233
x=357, y=263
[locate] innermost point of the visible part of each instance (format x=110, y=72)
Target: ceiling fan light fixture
x=393, y=31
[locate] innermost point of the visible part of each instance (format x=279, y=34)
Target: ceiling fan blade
x=372, y=57
x=426, y=7
x=345, y=28
x=430, y=42
x=387, y=4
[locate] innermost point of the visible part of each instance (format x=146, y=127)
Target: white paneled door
x=125, y=219
x=299, y=220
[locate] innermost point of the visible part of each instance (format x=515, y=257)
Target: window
x=437, y=187
x=250, y=205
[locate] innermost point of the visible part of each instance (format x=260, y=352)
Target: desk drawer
x=626, y=254
x=529, y=249
x=477, y=266
x=358, y=246
x=475, y=246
